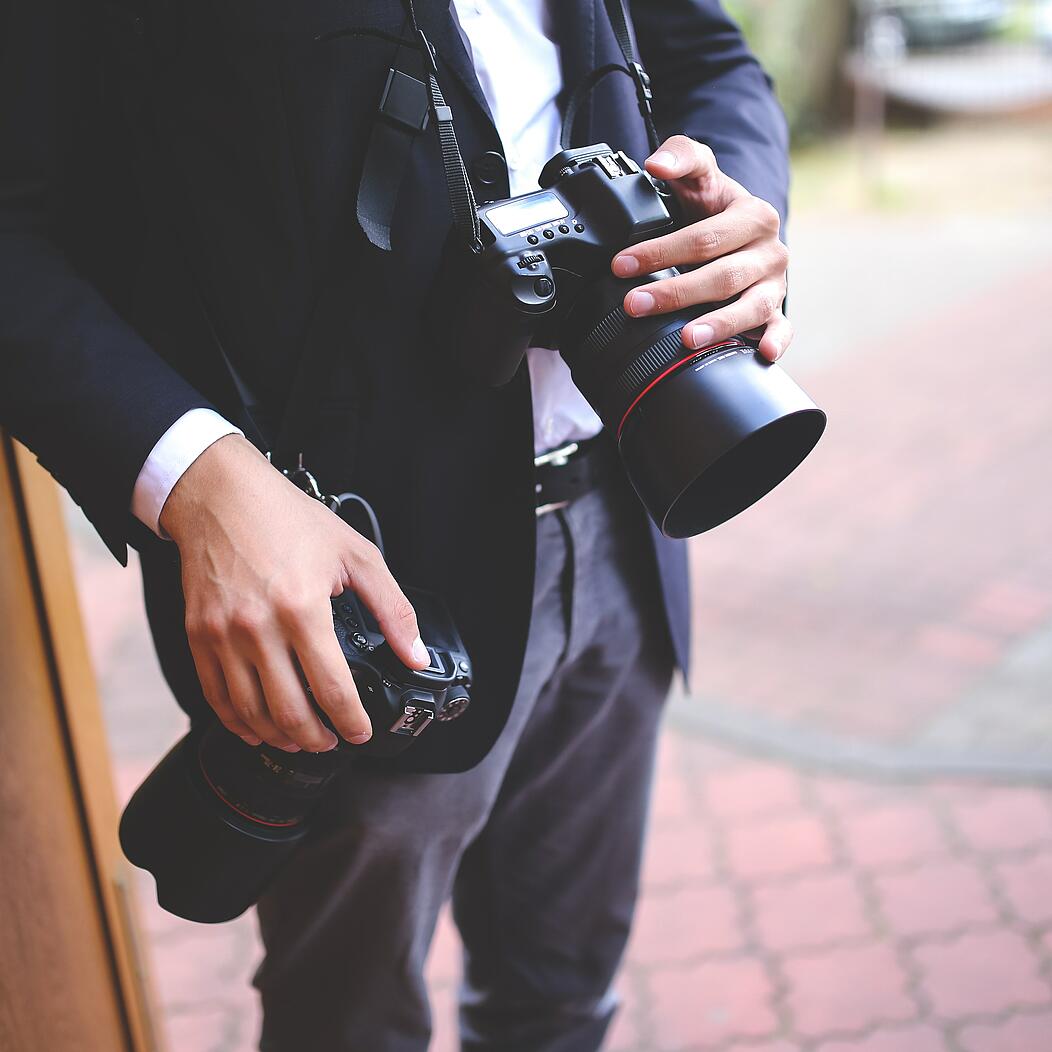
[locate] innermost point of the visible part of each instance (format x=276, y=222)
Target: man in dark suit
x=115, y=294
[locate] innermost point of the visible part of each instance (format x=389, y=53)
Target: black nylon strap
x=580, y=94
x=617, y=12
x=458, y=185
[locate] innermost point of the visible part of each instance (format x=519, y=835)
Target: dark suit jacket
x=265, y=131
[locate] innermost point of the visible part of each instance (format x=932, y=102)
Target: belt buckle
x=556, y=458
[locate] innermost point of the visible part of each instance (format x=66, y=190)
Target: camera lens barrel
x=216, y=820
x=703, y=433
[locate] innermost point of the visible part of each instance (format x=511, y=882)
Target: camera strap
x=633, y=68
x=408, y=104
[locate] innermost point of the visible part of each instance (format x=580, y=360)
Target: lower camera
x=216, y=819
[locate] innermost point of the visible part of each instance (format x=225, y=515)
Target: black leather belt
x=571, y=471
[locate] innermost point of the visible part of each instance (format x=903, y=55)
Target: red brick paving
x=1027, y=885
x=706, y=1004
x=1022, y=1033
x=981, y=974
x=847, y=988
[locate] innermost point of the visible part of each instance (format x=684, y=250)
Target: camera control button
x=549, y=234
x=579, y=227
x=359, y=640
x=563, y=228
x=490, y=168
x=533, y=239
x=544, y=287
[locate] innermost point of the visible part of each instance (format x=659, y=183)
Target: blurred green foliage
x=801, y=44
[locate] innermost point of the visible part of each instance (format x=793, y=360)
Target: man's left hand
x=734, y=236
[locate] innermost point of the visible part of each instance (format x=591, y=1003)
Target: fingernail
x=702, y=336
x=420, y=654
x=360, y=739
x=250, y=739
x=332, y=745
x=666, y=159
x=289, y=748
x=626, y=266
x=640, y=302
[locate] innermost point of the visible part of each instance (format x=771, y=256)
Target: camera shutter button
x=490, y=168
x=543, y=287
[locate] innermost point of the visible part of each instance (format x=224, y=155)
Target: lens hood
x=714, y=435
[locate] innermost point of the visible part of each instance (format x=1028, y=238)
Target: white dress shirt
x=512, y=47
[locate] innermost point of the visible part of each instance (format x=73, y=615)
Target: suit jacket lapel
x=437, y=21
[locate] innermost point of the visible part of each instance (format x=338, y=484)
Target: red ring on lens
x=244, y=814
x=691, y=357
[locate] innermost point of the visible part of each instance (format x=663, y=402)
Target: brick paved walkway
x=895, y=592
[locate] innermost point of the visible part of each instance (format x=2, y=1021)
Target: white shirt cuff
x=174, y=452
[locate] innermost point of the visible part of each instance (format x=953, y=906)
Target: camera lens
x=216, y=820
x=703, y=433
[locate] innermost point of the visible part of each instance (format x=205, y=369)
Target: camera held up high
x=702, y=433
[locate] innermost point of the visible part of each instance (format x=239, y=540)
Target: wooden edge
x=91, y=754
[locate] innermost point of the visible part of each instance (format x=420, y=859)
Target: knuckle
x=704, y=155
x=243, y=710
x=682, y=142
x=289, y=719
x=766, y=215
x=707, y=243
x=332, y=697
x=781, y=256
x=368, y=554
x=292, y=606
x=210, y=627
x=730, y=280
x=248, y=620
x=765, y=305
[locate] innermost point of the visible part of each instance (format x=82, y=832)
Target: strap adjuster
x=642, y=79
x=405, y=101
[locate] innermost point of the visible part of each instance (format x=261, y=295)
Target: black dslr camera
x=216, y=818
x=702, y=433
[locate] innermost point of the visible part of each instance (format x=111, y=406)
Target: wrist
x=218, y=471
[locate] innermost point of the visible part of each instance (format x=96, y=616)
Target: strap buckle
x=642, y=79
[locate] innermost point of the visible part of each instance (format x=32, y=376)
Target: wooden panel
x=68, y=980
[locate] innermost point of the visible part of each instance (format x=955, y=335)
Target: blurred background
x=851, y=846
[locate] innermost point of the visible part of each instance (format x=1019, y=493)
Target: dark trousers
x=539, y=845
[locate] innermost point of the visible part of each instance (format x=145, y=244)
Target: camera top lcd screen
x=526, y=212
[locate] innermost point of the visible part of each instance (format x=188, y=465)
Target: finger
x=287, y=700
x=395, y=614
x=680, y=157
x=717, y=281
x=776, y=338
x=246, y=696
x=213, y=685
x=755, y=307
x=321, y=658
x=696, y=243
x=691, y=170
x=740, y=225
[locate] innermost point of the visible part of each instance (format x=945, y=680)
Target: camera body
x=540, y=248
x=403, y=702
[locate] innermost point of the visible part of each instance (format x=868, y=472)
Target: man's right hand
x=260, y=561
